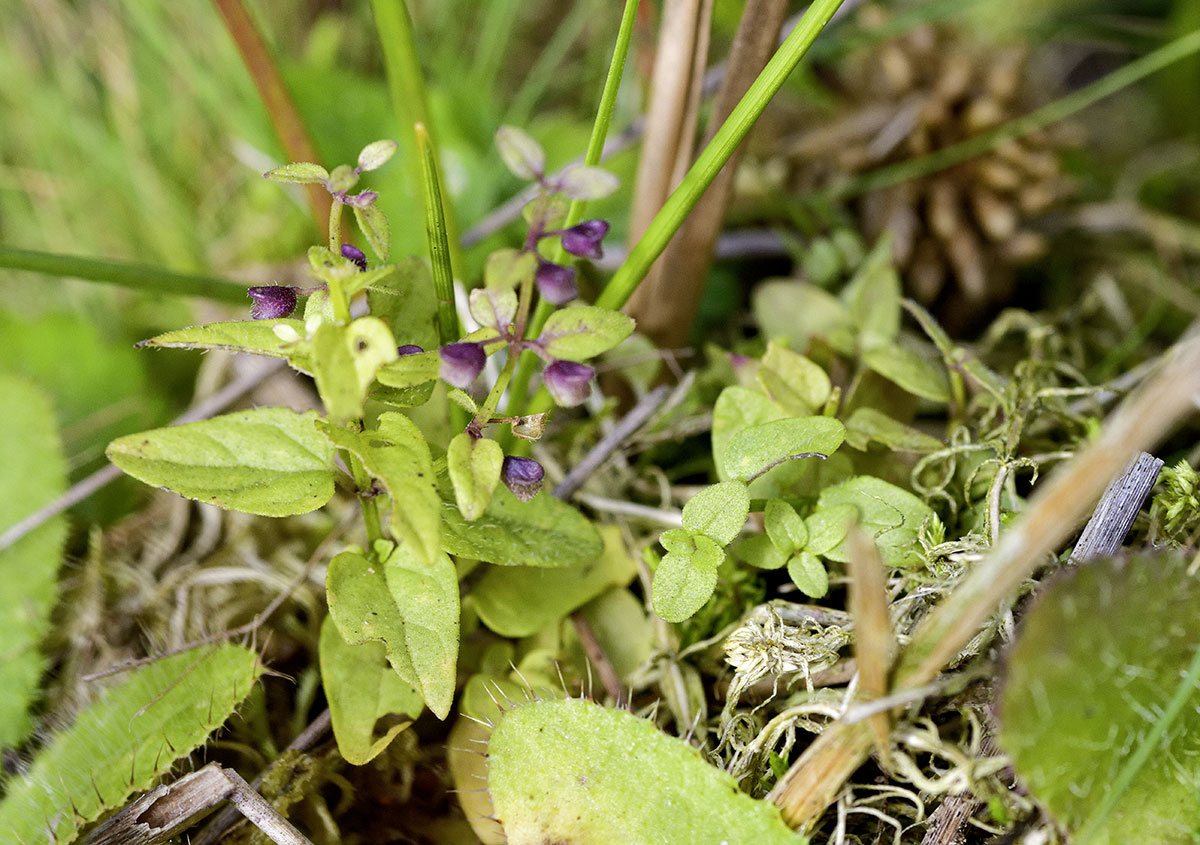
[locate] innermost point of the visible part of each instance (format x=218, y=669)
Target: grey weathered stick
x=261, y=814
x=948, y=820
x=1117, y=509
x=599, y=453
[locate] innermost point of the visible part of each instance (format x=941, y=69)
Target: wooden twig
x=874, y=640
x=1117, y=509
x=167, y=811
x=599, y=658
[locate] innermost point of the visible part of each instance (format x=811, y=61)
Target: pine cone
x=917, y=93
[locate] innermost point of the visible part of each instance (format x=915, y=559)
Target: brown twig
x=874, y=639
x=596, y=654
x=1118, y=508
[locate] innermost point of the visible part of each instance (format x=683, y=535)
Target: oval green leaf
x=474, y=465
x=718, y=511
x=755, y=450
x=584, y=331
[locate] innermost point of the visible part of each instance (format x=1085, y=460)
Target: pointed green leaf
x=410, y=370
x=304, y=172
x=753, y=451
x=519, y=601
x=682, y=585
x=891, y=516
x=584, y=331
x=361, y=689
x=572, y=771
x=374, y=225
x=506, y=269
x=796, y=383
x=867, y=424
x=909, y=369
x=396, y=453
x=258, y=337
x=1098, y=709
x=376, y=154
x=760, y=552
x=808, y=573
x=474, y=464
x=346, y=360
x=718, y=511
x=522, y=155
x=32, y=474
x=874, y=298
x=785, y=527
x=268, y=461
x=541, y=532
x=581, y=182
x=125, y=740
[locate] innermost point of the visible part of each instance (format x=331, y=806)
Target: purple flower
x=272, y=301
x=569, y=382
x=356, y=255
x=523, y=476
x=409, y=349
x=461, y=363
x=584, y=239
x=556, y=283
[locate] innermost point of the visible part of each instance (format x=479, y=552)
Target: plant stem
x=595, y=148
x=714, y=156
x=484, y=415
x=1060, y=109
x=439, y=245
x=123, y=274
x=335, y=226
x=370, y=507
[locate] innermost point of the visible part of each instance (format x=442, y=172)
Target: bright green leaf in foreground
x=572, y=771
x=754, y=450
x=1099, y=706
x=346, y=360
x=584, y=331
x=784, y=526
x=32, y=473
x=685, y=579
x=808, y=573
x=361, y=689
x=890, y=515
x=125, y=741
x=267, y=461
x=474, y=465
x=867, y=424
x=274, y=338
x=718, y=511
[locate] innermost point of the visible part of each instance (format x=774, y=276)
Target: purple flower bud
x=523, y=476
x=584, y=239
x=556, y=283
x=569, y=382
x=272, y=301
x=409, y=349
x=365, y=199
x=356, y=255
x=461, y=363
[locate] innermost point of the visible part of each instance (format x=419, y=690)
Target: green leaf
x=737, y=409
x=867, y=424
x=474, y=465
x=494, y=307
x=828, y=527
x=718, y=511
x=1098, y=707
x=584, y=331
x=519, y=601
x=572, y=771
x=258, y=337
x=506, y=269
x=683, y=583
x=891, y=516
x=32, y=474
x=374, y=225
x=405, y=299
x=410, y=370
x=346, y=360
x=910, y=370
x=581, y=182
x=125, y=740
x=304, y=172
x=541, y=532
x=463, y=400
x=760, y=552
x=267, y=461
x=808, y=573
x=678, y=540
x=755, y=450
x=798, y=385
x=341, y=178
x=874, y=298
x=409, y=606
x=376, y=154
x=785, y=527
x=797, y=312
x=396, y=454
x=522, y=155
x=361, y=688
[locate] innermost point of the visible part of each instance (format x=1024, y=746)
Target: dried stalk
x=874, y=640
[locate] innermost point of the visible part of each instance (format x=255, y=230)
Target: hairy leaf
x=506, y=269
x=258, y=337
x=684, y=582
x=522, y=155
x=376, y=154
x=785, y=527
x=760, y=552
x=584, y=331
x=907, y=368
x=718, y=511
x=267, y=461
x=494, y=307
x=474, y=465
x=891, y=516
x=304, y=172
x=346, y=360
x=124, y=741
x=756, y=449
x=570, y=770
x=374, y=226
x=796, y=383
x=867, y=424
x=808, y=573
x=405, y=299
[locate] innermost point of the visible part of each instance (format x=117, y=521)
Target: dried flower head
x=272, y=301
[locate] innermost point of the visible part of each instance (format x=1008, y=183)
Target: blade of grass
x=123, y=274
x=714, y=156
x=439, y=246
x=1054, y=112
x=280, y=108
